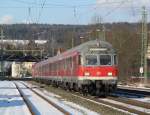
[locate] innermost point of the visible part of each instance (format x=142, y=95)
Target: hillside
x=125, y=38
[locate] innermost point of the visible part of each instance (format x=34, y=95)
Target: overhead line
x=23, y=7
x=64, y=5
x=40, y=12
x=108, y=13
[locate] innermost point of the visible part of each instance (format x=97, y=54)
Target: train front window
x=91, y=60
x=105, y=60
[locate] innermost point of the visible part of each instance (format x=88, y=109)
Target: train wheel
x=75, y=87
x=85, y=90
x=91, y=89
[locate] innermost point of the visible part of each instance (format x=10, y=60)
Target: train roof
x=79, y=49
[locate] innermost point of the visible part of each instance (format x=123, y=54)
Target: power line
x=40, y=12
x=52, y=4
x=29, y=16
x=56, y=4
x=66, y=5
x=110, y=12
x=24, y=2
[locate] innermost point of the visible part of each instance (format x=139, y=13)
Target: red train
x=90, y=67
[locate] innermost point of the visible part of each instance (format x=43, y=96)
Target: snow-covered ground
x=142, y=88
x=40, y=106
x=11, y=103
x=71, y=107
x=144, y=99
x=137, y=87
x=128, y=105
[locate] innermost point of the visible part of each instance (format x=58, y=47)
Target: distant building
x=15, y=69
x=21, y=69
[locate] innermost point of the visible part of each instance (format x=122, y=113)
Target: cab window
x=105, y=60
x=91, y=60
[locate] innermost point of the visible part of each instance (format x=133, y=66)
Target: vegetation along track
x=44, y=98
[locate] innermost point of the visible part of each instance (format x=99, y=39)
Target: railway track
x=120, y=103
x=135, y=107
x=30, y=106
x=25, y=100
x=134, y=91
x=130, y=98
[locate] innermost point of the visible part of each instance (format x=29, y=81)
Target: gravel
x=68, y=96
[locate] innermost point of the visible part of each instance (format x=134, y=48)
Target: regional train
x=88, y=68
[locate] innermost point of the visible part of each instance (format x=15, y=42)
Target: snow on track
x=41, y=107
x=11, y=103
x=144, y=99
x=128, y=105
x=73, y=108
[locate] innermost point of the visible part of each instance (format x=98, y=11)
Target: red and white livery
x=90, y=67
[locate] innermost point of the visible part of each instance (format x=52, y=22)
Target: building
x=21, y=69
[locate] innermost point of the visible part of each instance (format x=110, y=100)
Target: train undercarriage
x=91, y=87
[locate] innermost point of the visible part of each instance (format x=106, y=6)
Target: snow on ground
x=71, y=107
x=128, y=105
x=40, y=106
x=137, y=87
x=144, y=99
x=109, y=106
x=11, y=103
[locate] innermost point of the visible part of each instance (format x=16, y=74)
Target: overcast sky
x=70, y=11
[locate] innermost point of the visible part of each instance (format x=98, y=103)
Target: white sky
x=122, y=10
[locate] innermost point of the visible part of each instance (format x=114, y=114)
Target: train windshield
x=105, y=60
x=91, y=60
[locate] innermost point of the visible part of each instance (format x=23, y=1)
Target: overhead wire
x=40, y=12
x=29, y=16
x=117, y=7
x=48, y=4
x=24, y=2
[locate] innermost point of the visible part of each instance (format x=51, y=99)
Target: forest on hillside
x=125, y=38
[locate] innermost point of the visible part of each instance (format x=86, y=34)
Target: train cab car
x=90, y=67
x=98, y=68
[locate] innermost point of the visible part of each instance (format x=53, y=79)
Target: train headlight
x=109, y=73
x=86, y=73
x=98, y=73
